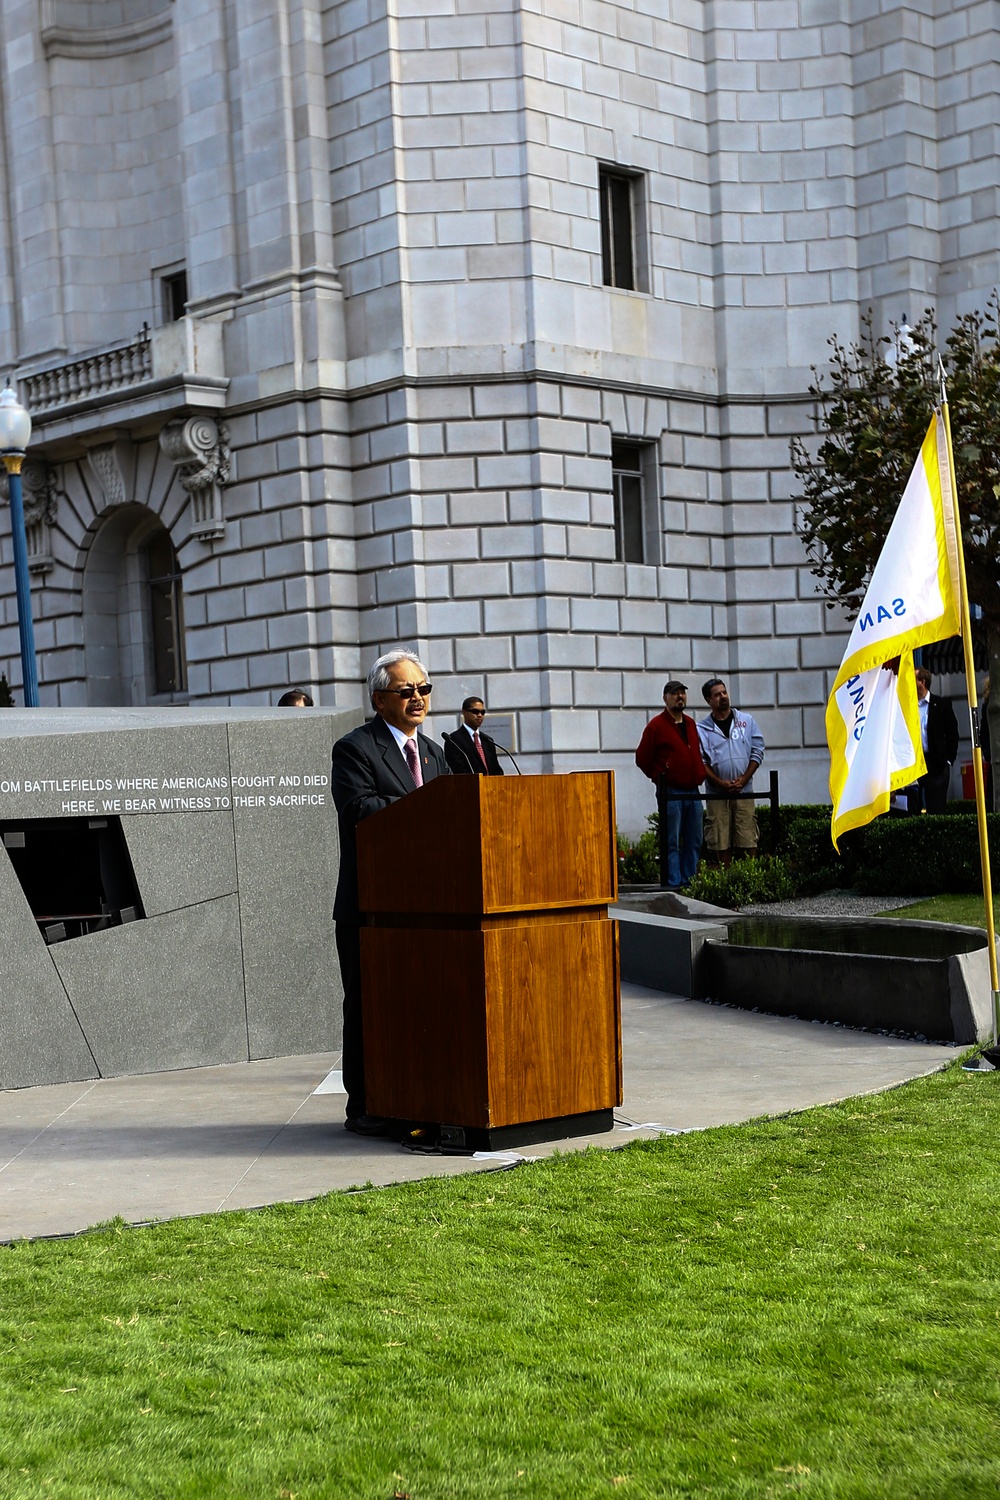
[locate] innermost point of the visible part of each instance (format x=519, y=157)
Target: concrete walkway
x=162, y=1145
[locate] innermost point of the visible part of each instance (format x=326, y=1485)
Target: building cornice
x=534, y=376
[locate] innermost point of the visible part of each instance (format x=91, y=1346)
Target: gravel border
x=831, y=904
x=826, y=904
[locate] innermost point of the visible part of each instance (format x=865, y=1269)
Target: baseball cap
x=673, y=686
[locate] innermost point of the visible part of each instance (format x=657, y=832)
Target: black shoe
x=366, y=1125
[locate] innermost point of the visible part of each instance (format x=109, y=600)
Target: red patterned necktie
x=479, y=746
x=413, y=761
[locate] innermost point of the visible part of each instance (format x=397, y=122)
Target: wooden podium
x=489, y=965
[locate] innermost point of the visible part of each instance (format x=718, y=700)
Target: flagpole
x=973, y=697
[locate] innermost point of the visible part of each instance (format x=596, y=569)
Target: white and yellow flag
x=872, y=719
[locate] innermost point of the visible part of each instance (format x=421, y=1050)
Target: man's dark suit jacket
x=942, y=735
x=369, y=772
x=461, y=754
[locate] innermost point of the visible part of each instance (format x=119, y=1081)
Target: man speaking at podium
x=373, y=766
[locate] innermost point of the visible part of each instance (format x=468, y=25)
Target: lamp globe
x=15, y=423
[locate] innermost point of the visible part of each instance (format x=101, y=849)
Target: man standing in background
x=939, y=736
x=467, y=748
x=669, y=753
x=732, y=748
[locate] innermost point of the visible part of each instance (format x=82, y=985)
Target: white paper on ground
x=333, y=1083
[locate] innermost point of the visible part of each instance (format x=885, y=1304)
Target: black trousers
x=348, y=936
x=934, y=785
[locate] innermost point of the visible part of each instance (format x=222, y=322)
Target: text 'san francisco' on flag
x=872, y=719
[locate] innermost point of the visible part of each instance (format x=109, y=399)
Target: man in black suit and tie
x=939, y=735
x=372, y=766
x=468, y=749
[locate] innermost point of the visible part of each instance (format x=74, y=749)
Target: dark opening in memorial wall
x=76, y=874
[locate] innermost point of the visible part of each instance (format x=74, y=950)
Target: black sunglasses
x=423, y=688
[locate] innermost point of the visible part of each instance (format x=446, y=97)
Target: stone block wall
x=393, y=214
x=494, y=554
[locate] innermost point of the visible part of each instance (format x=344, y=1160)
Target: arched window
x=133, y=612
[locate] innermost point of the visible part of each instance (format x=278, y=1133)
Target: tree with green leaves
x=873, y=408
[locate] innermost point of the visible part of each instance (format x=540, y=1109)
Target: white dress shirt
x=401, y=740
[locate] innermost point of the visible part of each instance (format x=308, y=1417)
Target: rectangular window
x=623, y=230
x=174, y=292
x=634, y=483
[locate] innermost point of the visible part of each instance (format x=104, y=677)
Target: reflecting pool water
x=884, y=939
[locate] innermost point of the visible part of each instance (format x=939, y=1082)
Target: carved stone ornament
x=40, y=497
x=199, y=446
x=105, y=464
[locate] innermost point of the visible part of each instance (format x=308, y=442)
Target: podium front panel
x=548, y=841
x=505, y=1025
x=422, y=853
x=473, y=845
x=553, y=1020
x=425, y=1049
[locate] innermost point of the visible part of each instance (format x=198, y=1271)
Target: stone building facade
x=481, y=325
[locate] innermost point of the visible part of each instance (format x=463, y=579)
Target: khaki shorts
x=731, y=824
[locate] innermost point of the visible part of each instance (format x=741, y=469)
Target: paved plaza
x=200, y=1140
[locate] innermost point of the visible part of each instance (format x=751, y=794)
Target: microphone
x=456, y=739
x=506, y=752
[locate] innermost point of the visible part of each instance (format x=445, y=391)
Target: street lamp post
x=15, y=430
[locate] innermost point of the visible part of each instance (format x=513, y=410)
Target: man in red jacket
x=669, y=753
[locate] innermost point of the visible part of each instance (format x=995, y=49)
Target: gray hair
x=378, y=676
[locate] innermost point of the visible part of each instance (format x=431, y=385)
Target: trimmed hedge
x=745, y=882
x=791, y=813
x=893, y=856
x=923, y=856
x=639, y=862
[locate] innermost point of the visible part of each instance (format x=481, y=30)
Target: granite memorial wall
x=166, y=887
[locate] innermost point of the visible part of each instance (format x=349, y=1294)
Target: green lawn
x=969, y=910
x=807, y=1305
